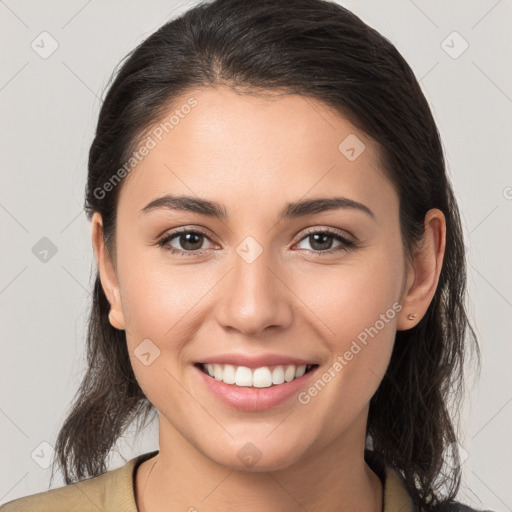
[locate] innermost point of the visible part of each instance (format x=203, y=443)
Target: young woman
x=281, y=275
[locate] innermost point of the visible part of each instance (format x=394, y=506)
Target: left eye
x=321, y=241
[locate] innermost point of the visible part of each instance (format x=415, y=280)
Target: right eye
x=189, y=240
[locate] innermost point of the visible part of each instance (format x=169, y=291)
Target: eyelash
x=346, y=243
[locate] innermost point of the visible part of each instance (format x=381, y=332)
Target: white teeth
x=243, y=376
x=301, y=370
x=278, y=375
x=229, y=374
x=289, y=373
x=217, y=371
x=262, y=377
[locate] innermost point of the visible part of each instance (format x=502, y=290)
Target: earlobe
x=424, y=274
x=115, y=315
x=114, y=321
x=107, y=273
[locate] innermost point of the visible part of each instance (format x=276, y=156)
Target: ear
x=423, y=274
x=107, y=273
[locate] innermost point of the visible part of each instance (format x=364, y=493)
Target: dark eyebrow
x=311, y=206
x=291, y=210
x=188, y=204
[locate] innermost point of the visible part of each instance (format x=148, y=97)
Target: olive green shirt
x=113, y=491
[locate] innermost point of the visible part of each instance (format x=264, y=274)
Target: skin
x=253, y=155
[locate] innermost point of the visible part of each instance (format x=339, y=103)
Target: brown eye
x=190, y=241
x=184, y=242
x=321, y=242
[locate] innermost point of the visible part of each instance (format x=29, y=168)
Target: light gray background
x=49, y=109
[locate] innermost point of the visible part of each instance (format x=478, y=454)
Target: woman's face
x=261, y=280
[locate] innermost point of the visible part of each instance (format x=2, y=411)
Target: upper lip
x=256, y=361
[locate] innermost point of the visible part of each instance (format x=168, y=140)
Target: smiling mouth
x=263, y=377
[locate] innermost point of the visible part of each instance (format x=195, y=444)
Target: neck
x=333, y=478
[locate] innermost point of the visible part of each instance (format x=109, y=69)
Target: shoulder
x=70, y=497
x=112, y=490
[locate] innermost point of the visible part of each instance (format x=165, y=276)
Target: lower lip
x=254, y=399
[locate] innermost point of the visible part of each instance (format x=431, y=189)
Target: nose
x=254, y=296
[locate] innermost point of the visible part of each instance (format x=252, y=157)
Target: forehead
x=255, y=151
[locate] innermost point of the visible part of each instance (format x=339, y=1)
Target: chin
x=256, y=454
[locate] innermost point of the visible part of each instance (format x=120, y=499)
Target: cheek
x=356, y=306
x=164, y=307
x=160, y=304
x=357, y=320
x=351, y=296
x=158, y=295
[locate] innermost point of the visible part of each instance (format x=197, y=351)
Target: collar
x=395, y=496
x=120, y=492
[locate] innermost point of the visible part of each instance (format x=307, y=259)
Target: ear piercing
x=411, y=316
